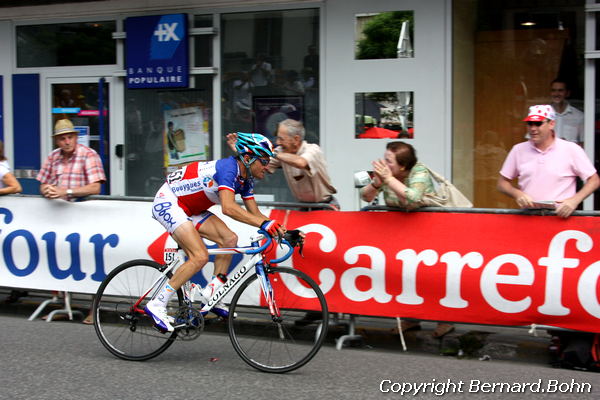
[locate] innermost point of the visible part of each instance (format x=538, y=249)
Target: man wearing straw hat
x=72, y=170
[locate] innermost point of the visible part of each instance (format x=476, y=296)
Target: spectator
x=261, y=72
x=9, y=185
x=403, y=181
x=303, y=165
x=71, y=171
x=569, y=120
x=311, y=60
x=400, y=176
x=292, y=83
x=547, y=167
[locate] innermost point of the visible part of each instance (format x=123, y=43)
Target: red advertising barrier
x=478, y=268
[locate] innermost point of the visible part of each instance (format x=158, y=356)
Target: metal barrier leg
x=67, y=310
x=351, y=333
x=41, y=307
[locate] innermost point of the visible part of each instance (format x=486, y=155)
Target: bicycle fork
x=267, y=291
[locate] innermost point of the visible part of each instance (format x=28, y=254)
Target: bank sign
x=157, y=51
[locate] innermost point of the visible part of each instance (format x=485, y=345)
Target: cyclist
x=181, y=206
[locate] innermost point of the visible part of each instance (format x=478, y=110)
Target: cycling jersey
x=197, y=185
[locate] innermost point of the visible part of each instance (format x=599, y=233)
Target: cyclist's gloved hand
x=272, y=227
x=295, y=238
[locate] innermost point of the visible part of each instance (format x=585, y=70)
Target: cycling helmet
x=254, y=144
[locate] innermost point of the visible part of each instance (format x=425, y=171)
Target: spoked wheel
x=284, y=342
x=121, y=325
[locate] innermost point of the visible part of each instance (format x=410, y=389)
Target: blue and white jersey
x=197, y=185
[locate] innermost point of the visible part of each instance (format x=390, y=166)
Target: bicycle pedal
x=160, y=330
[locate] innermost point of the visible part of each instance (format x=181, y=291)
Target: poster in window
x=269, y=111
x=186, y=136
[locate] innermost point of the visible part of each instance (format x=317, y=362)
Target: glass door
x=87, y=106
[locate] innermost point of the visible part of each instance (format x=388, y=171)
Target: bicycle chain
x=194, y=323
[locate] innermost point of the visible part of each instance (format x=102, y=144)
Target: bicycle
x=265, y=313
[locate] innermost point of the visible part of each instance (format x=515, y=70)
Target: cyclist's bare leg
x=190, y=241
x=214, y=229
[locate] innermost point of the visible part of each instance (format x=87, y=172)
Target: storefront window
x=164, y=130
x=58, y=45
x=506, y=56
x=384, y=115
x=270, y=72
x=203, y=49
x=384, y=35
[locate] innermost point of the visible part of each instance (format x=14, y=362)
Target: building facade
x=154, y=85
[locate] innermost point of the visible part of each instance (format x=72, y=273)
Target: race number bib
x=175, y=176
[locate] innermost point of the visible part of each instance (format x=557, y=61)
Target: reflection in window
x=270, y=72
x=384, y=35
x=56, y=45
x=153, y=146
x=384, y=115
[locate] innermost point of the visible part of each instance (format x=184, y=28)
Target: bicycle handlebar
x=285, y=256
x=291, y=239
x=264, y=246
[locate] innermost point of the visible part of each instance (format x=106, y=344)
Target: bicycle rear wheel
x=284, y=343
x=121, y=325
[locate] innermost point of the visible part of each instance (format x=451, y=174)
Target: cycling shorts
x=167, y=211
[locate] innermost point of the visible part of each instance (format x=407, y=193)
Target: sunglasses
x=535, y=123
x=264, y=161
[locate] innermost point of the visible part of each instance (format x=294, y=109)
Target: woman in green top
x=404, y=181
x=402, y=178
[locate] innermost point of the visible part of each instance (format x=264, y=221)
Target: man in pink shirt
x=547, y=167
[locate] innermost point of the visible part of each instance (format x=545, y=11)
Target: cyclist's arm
x=274, y=229
x=235, y=211
x=252, y=208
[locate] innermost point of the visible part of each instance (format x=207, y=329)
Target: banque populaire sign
x=157, y=51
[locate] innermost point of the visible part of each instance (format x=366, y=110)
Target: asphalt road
x=65, y=360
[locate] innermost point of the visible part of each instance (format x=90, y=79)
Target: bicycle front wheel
x=284, y=342
x=120, y=323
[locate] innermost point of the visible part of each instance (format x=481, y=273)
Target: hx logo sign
x=166, y=32
x=157, y=51
x=167, y=36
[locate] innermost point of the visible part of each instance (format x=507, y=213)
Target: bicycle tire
x=124, y=332
x=278, y=346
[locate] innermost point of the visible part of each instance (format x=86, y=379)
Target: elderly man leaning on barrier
x=547, y=168
x=303, y=164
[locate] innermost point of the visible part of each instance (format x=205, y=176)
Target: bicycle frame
x=234, y=277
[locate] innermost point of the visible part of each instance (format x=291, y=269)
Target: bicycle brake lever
x=300, y=247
